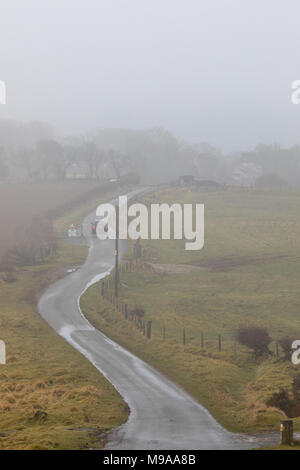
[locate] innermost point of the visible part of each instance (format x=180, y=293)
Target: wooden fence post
x=286, y=430
x=220, y=343
x=183, y=336
x=149, y=329
x=164, y=333
x=102, y=289
x=202, y=339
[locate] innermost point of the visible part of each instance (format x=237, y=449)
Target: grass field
x=77, y=215
x=51, y=397
x=247, y=274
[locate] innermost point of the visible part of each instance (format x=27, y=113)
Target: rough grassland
x=250, y=271
x=43, y=373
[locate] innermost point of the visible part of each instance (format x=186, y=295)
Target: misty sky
x=208, y=70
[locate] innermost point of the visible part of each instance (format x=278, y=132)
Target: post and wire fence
x=168, y=330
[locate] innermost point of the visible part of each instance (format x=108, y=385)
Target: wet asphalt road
x=162, y=416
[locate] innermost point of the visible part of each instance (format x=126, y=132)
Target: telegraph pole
x=117, y=253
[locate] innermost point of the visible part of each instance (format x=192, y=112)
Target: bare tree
x=92, y=156
x=286, y=345
x=50, y=157
x=25, y=158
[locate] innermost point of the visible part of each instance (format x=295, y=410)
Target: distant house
x=186, y=180
x=199, y=185
x=207, y=185
x=246, y=173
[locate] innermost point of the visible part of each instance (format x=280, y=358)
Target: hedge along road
x=162, y=415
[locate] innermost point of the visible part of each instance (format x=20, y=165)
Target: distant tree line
x=34, y=151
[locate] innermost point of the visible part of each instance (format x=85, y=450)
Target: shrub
x=23, y=254
x=286, y=345
x=296, y=387
x=282, y=401
x=9, y=276
x=38, y=242
x=8, y=270
x=138, y=312
x=255, y=338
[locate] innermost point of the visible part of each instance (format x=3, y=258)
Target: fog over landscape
x=171, y=87
x=150, y=219
x=217, y=71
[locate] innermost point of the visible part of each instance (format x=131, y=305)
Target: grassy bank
x=51, y=397
x=247, y=274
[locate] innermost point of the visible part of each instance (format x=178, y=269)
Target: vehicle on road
x=96, y=221
x=74, y=231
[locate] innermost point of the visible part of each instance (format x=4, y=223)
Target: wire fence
x=167, y=331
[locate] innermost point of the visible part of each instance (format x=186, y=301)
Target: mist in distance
x=207, y=71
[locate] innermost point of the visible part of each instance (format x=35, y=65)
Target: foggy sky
x=208, y=70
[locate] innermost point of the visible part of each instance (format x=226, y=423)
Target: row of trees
x=35, y=151
x=50, y=159
x=153, y=154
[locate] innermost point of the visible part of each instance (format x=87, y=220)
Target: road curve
x=162, y=415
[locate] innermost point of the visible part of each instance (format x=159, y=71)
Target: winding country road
x=162, y=416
